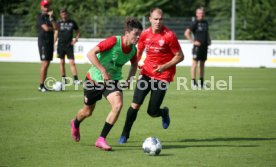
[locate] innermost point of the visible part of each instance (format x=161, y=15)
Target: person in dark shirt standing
x=46, y=25
x=201, y=40
x=66, y=42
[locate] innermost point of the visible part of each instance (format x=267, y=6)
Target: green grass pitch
x=217, y=128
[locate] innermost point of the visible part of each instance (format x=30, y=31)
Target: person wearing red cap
x=45, y=2
x=46, y=25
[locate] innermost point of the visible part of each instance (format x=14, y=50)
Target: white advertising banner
x=26, y=50
x=220, y=53
x=236, y=54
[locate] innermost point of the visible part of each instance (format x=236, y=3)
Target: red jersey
x=160, y=49
x=109, y=42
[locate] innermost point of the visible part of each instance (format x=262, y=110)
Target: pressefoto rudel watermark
x=182, y=83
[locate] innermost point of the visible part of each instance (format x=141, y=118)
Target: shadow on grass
x=136, y=145
x=231, y=139
x=226, y=139
x=174, y=146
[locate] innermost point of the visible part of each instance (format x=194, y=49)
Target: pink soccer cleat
x=75, y=132
x=102, y=144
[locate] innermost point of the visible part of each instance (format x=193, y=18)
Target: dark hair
x=132, y=23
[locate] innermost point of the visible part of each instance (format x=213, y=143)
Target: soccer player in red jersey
x=163, y=52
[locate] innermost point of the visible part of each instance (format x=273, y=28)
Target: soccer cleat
x=194, y=86
x=64, y=80
x=43, y=89
x=102, y=144
x=122, y=140
x=75, y=132
x=166, y=118
x=202, y=87
x=77, y=82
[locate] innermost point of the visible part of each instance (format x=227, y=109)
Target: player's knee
x=87, y=113
x=153, y=113
x=72, y=62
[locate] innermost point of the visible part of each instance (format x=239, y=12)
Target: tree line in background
x=255, y=19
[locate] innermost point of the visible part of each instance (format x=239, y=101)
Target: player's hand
x=196, y=43
x=51, y=13
x=159, y=69
x=74, y=41
x=106, y=76
x=140, y=65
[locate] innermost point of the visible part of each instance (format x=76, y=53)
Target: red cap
x=45, y=2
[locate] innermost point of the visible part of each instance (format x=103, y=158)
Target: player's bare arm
x=92, y=56
x=45, y=27
x=188, y=35
x=178, y=57
x=55, y=36
x=52, y=20
x=75, y=40
x=132, y=72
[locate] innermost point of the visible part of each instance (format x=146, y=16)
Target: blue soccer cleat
x=166, y=118
x=122, y=140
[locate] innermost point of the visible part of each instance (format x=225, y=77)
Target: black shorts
x=65, y=50
x=200, y=52
x=93, y=91
x=146, y=84
x=46, y=52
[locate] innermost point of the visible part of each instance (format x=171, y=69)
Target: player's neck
x=156, y=31
x=44, y=12
x=126, y=43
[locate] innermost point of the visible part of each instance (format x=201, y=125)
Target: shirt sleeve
x=141, y=44
x=39, y=20
x=174, y=44
x=107, y=44
x=192, y=27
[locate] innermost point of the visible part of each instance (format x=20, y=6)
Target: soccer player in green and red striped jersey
x=103, y=77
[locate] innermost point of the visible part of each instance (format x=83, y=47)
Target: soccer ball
x=57, y=86
x=152, y=146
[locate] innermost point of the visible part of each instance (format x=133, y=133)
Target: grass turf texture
x=208, y=128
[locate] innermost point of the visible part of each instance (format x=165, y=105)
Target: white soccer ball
x=152, y=146
x=57, y=86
